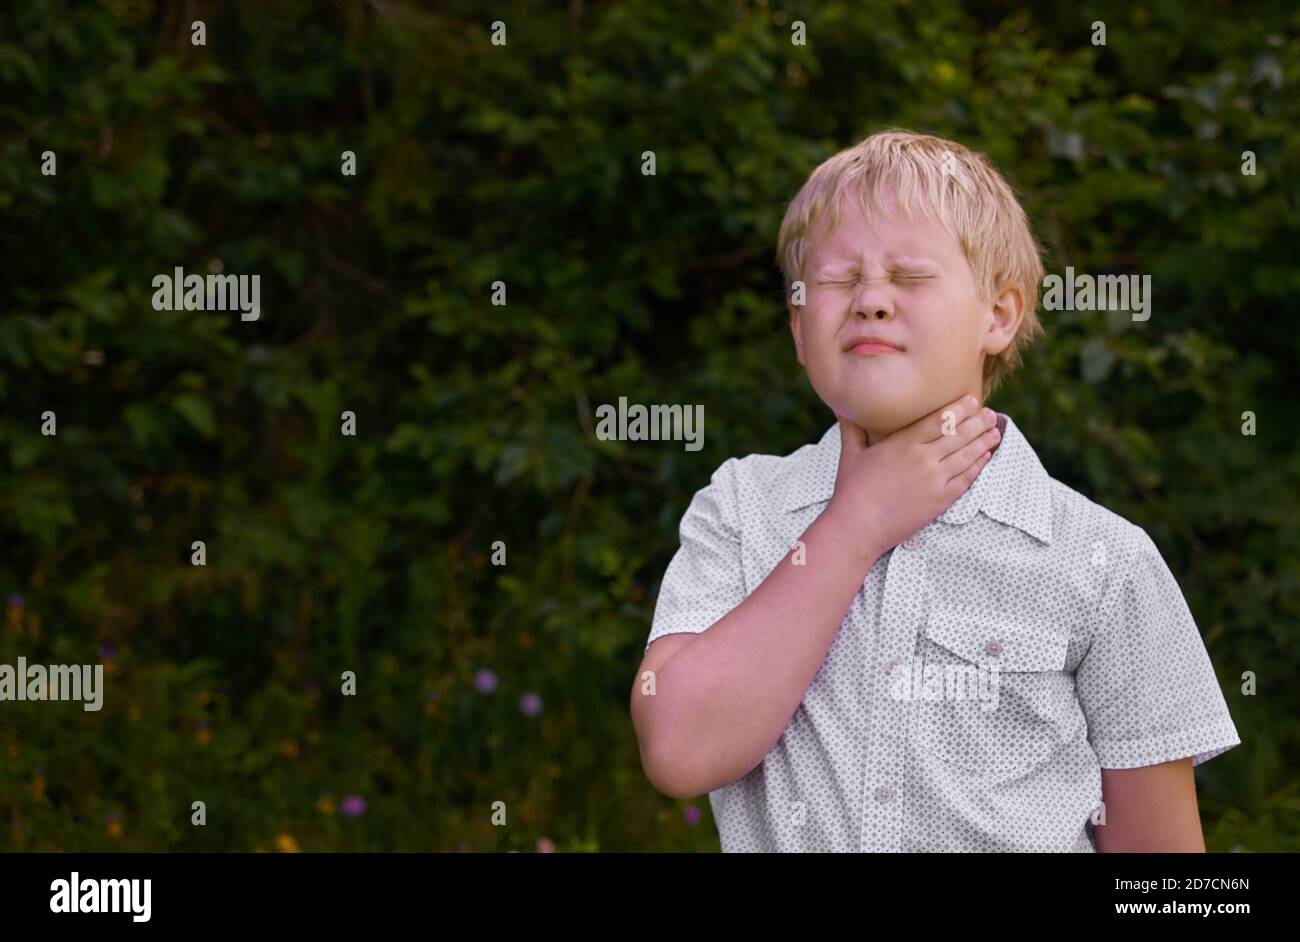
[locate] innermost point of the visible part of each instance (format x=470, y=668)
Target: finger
x=962, y=482
x=852, y=437
x=961, y=459
x=966, y=432
x=943, y=422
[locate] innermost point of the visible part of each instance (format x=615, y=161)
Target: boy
x=813, y=632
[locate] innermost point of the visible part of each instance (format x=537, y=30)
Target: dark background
x=522, y=163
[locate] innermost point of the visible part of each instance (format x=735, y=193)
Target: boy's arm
x=724, y=697
x=1150, y=809
x=1152, y=702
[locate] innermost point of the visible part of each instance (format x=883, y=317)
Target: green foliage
x=522, y=163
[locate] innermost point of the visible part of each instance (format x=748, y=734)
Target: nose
x=872, y=301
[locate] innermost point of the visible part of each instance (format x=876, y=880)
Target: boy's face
x=906, y=282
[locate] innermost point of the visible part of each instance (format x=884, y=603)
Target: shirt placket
x=895, y=643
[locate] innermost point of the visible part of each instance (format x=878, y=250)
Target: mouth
x=870, y=346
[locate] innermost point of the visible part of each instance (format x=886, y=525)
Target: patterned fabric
x=1074, y=640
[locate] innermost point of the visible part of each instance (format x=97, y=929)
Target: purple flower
x=692, y=814
x=15, y=600
x=531, y=704
x=544, y=846
x=485, y=681
x=431, y=695
x=111, y=817
x=106, y=651
x=353, y=806
x=199, y=724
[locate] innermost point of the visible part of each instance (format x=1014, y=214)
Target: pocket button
x=993, y=648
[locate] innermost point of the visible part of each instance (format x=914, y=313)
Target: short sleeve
x=1146, y=684
x=704, y=581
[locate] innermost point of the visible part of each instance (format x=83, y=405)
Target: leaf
x=1097, y=360
x=197, y=412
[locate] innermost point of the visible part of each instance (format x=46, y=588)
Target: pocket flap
x=992, y=640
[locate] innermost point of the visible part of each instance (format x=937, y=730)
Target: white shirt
x=1067, y=610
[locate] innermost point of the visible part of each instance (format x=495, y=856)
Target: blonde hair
x=953, y=185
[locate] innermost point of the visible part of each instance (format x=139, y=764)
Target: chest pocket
x=1005, y=702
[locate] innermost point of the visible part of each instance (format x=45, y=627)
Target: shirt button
x=884, y=793
x=993, y=648
x=891, y=664
x=912, y=542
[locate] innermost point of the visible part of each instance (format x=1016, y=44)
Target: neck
x=876, y=432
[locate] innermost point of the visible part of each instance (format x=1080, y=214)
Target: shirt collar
x=1013, y=488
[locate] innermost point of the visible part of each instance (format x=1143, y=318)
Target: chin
x=886, y=417
x=887, y=409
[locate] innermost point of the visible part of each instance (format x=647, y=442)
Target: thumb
x=852, y=437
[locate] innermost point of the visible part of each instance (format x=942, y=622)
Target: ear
x=794, y=329
x=1007, y=312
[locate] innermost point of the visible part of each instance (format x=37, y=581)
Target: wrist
x=852, y=535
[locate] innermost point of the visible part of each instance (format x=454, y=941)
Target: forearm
x=724, y=699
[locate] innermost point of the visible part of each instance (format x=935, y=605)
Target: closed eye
x=896, y=276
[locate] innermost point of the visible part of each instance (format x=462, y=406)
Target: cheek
x=818, y=299
x=950, y=337
x=817, y=327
